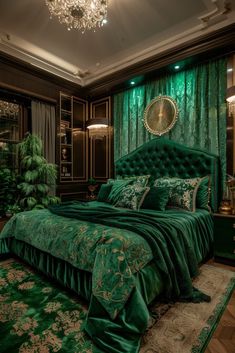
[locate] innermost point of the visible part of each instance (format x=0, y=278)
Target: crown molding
x=212, y=44
x=32, y=55
x=220, y=13
x=209, y=44
x=7, y=60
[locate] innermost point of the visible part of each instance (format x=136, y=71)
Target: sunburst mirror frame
x=160, y=115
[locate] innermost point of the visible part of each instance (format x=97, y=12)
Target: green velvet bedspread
x=115, y=250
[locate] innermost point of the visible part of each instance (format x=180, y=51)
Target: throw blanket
x=168, y=238
x=115, y=255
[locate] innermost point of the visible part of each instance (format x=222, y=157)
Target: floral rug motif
x=37, y=316
x=187, y=327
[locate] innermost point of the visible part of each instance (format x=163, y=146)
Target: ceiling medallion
x=79, y=14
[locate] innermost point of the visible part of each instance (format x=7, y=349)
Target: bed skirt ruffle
x=121, y=335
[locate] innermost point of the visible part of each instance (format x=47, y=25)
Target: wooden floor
x=223, y=339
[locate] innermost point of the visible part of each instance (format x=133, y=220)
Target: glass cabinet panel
x=100, y=141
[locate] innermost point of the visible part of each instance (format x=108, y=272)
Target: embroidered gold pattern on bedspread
x=56, y=325
x=112, y=255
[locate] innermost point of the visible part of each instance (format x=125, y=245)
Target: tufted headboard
x=162, y=157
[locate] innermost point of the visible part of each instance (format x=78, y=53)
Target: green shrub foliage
x=37, y=175
x=7, y=190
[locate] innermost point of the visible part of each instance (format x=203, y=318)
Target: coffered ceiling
x=136, y=30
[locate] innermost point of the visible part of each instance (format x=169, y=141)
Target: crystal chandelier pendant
x=79, y=14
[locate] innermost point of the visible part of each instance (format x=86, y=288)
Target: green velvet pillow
x=182, y=192
x=132, y=196
x=104, y=192
x=156, y=198
x=203, y=193
x=117, y=187
x=140, y=179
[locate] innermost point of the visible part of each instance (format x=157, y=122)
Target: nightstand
x=224, y=238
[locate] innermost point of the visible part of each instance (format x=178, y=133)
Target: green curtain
x=200, y=95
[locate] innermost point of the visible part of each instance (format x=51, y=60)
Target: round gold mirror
x=160, y=115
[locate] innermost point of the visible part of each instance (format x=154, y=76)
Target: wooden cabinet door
x=80, y=140
x=100, y=141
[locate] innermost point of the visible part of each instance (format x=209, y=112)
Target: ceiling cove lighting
x=79, y=14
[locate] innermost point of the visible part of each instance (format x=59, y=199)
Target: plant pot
x=92, y=189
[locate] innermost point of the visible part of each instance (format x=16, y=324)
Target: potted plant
x=38, y=176
x=12, y=209
x=92, y=186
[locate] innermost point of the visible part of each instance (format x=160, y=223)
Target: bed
x=120, y=260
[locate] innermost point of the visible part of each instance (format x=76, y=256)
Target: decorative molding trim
x=222, y=14
x=218, y=14
x=11, y=63
x=191, y=34
x=221, y=40
x=29, y=93
x=106, y=140
x=17, y=48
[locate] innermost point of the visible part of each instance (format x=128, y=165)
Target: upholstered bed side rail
x=162, y=157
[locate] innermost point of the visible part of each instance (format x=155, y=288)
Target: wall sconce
x=96, y=123
x=97, y=127
x=230, y=98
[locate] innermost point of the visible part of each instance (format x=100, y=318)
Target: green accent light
x=132, y=83
x=176, y=67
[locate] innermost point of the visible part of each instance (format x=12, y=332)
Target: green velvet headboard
x=162, y=157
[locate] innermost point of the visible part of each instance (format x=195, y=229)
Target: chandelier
x=79, y=14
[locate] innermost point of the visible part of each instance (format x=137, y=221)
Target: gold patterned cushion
x=140, y=179
x=117, y=187
x=132, y=196
x=182, y=192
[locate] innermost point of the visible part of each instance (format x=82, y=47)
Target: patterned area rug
x=37, y=316
x=188, y=327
